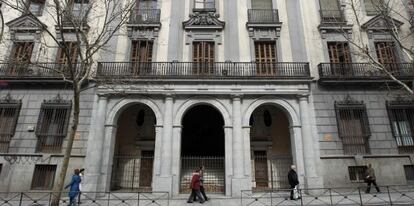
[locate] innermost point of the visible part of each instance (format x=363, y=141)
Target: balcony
x=145, y=16
x=32, y=72
x=263, y=16
x=195, y=70
x=362, y=72
x=332, y=17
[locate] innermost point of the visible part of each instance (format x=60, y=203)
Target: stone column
x=239, y=178
x=228, y=129
x=94, y=153
x=164, y=181
x=157, y=150
x=308, y=150
x=297, y=152
x=176, y=159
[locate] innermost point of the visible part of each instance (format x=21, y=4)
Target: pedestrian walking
x=293, y=182
x=202, y=184
x=370, y=179
x=81, y=175
x=74, y=187
x=195, y=188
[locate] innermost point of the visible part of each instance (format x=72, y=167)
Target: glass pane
x=262, y=4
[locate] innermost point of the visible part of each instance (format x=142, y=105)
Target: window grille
x=52, y=125
x=330, y=11
x=43, y=177
x=401, y=116
x=9, y=113
x=353, y=126
x=357, y=173
x=374, y=7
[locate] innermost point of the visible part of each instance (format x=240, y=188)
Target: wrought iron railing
x=87, y=198
x=132, y=173
x=388, y=195
x=145, y=16
x=185, y=70
x=366, y=71
x=263, y=16
x=32, y=70
x=332, y=16
x=214, y=178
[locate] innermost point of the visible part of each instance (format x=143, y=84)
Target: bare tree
x=392, y=14
x=79, y=49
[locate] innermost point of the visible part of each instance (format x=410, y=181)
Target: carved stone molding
x=204, y=20
x=380, y=24
x=25, y=27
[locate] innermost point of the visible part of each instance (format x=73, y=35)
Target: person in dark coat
x=293, y=180
x=202, y=184
x=74, y=187
x=195, y=188
x=370, y=178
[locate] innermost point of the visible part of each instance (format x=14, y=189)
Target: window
x=262, y=4
x=385, y=52
x=147, y=4
x=373, y=7
x=141, y=56
x=204, y=4
x=80, y=10
x=409, y=173
x=36, y=7
x=357, y=173
x=339, y=52
x=1, y=167
x=265, y=55
x=73, y=53
x=22, y=51
x=52, y=125
x=203, y=57
x=9, y=113
x=43, y=177
x=353, y=127
x=330, y=11
x=401, y=117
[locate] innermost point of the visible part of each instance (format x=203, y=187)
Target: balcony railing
x=263, y=16
x=195, y=70
x=363, y=71
x=18, y=70
x=145, y=16
x=332, y=16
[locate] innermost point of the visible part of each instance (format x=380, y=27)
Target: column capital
x=103, y=96
x=303, y=97
x=236, y=96
x=169, y=95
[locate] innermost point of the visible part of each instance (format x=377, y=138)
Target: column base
x=313, y=185
x=91, y=183
x=239, y=184
x=162, y=184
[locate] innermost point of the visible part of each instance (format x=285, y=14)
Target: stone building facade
x=245, y=88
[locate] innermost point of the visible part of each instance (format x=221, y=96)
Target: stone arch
x=182, y=109
x=121, y=105
x=285, y=106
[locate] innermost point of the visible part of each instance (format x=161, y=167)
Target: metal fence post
x=389, y=195
x=21, y=199
x=301, y=199
x=330, y=195
x=50, y=198
x=360, y=196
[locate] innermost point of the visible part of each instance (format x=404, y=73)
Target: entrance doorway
x=134, y=150
x=271, y=148
x=202, y=144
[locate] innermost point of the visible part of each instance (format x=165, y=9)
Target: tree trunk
x=57, y=190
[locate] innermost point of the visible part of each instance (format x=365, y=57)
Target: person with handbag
x=370, y=179
x=293, y=182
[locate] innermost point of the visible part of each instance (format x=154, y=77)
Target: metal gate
x=214, y=172
x=270, y=172
x=132, y=172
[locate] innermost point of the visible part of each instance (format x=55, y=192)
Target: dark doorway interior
x=203, y=133
x=202, y=144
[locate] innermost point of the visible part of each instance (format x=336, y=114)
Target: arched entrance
x=202, y=143
x=270, y=147
x=134, y=149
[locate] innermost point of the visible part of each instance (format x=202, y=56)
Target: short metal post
x=301, y=196
x=21, y=199
x=360, y=196
x=389, y=195
x=138, y=199
x=330, y=195
x=50, y=198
